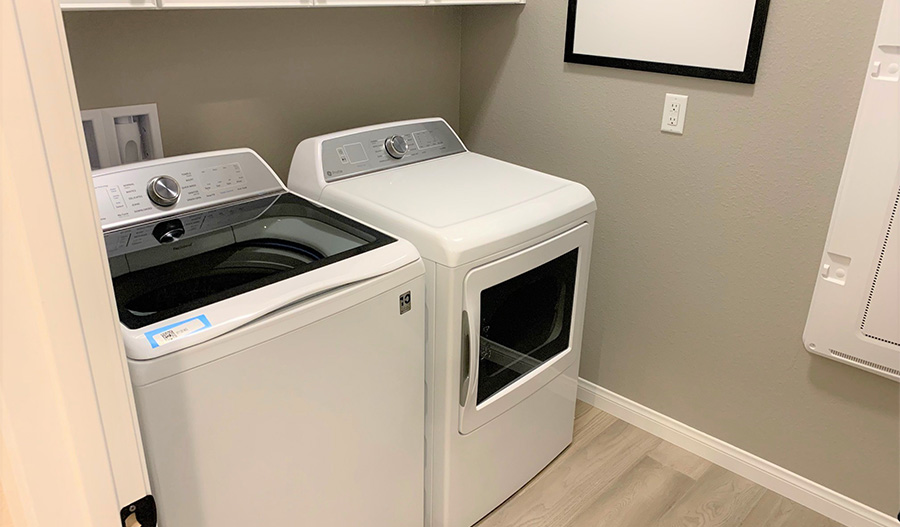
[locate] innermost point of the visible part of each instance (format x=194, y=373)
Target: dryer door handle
x=465, y=361
x=468, y=360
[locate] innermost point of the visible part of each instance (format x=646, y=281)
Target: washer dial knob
x=164, y=191
x=396, y=146
x=168, y=231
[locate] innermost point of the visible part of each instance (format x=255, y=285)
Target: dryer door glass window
x=525, y=321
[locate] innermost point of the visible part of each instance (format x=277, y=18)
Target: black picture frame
x=747, y=76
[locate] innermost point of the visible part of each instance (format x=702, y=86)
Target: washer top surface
x=455, y=206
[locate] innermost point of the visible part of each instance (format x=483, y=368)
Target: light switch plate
x=674, y=112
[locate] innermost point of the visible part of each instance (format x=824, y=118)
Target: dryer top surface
x=461, y=207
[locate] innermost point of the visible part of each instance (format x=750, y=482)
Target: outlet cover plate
x=674, y=112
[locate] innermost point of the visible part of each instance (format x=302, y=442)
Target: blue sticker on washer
x=175, y=331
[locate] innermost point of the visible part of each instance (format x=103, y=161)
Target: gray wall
x=707, y=244
x=267, y=78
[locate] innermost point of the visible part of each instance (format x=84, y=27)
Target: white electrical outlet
x=673, y=113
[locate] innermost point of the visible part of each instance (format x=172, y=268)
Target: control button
x=396, y=146
x=164, y=191
x=168, y=231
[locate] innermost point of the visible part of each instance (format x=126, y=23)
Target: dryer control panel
x=390, y=146
x=141, y=192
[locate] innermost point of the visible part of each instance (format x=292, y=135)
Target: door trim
x=63, y=373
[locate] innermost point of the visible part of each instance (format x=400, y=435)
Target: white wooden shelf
x=72, y=5
x=91, y=5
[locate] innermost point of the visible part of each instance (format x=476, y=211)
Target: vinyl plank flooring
x=638, y=497
x=616, y=475
x=677, y=458
x=588, y=424
x=582, y=408
x=719, y=499
x=583, y=471
x=774, y=510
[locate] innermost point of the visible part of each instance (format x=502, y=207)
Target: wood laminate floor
x=616, y=475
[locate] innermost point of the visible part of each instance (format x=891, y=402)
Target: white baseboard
x=821, y=499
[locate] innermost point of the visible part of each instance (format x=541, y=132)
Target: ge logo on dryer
x=405, y=302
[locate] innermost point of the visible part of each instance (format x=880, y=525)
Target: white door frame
x=70, y=449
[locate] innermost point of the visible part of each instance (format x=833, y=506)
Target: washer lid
x=462, y=207
x=255, y=257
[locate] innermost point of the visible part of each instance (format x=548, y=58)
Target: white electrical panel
x=122, y=135
x=855, y=312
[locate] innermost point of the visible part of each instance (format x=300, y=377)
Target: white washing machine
x=276, y=347
x=507, y=253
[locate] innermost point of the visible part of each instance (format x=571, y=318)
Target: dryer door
x=520, y=327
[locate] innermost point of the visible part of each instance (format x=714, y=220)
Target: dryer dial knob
x=396, y=146
x=164, y=191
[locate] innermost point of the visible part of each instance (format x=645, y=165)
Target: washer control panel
x=131, y=194
x=388, y=147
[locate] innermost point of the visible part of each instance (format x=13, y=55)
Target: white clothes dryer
x=507, y=253
x=276, y=347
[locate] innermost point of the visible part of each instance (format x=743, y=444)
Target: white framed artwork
x=713, y=39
